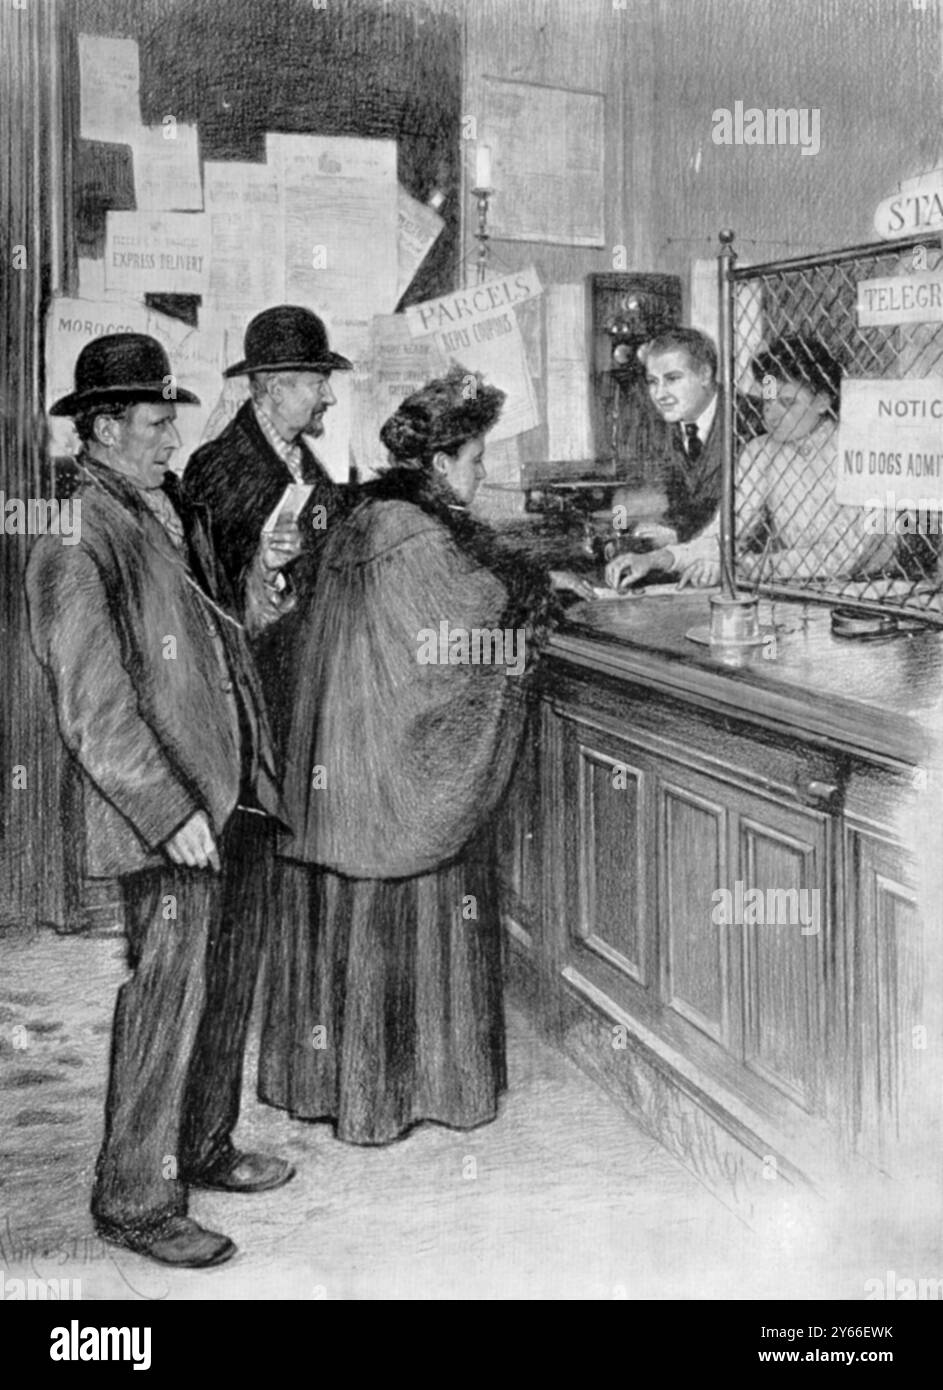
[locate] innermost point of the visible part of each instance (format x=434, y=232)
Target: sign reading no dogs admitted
x=890, y=437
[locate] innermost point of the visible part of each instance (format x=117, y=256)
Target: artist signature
x=22, y=1248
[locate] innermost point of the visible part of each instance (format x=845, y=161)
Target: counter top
x=883, y=698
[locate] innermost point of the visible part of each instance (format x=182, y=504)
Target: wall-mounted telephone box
x=625, y=311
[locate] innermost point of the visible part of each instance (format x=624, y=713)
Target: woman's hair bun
x=443, y=415
x=406, y=434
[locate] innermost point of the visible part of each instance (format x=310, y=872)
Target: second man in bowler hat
x=241, y=475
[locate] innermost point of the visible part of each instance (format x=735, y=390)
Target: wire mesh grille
x=798, y=346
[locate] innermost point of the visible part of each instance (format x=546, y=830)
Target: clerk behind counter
x=786, y=477
x=681, y=373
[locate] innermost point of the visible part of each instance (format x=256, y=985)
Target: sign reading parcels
x=890, y=437
x=466, y=308
x=901, y=299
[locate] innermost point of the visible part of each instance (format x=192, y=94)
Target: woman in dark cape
x=383, y=1003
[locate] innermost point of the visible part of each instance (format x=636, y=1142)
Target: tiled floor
x=566, y=1197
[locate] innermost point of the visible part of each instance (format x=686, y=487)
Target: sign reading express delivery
x=890, y=438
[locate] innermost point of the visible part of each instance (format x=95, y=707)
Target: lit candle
x=483, y=166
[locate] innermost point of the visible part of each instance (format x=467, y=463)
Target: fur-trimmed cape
x=393, y=763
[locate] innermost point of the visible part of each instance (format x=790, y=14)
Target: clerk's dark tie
x=693, y=443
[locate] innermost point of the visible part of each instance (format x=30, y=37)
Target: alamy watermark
x=39, y=1290
x=77, y=1343
x=40, y=516
x=767, y=907
x=476, y=646
x=773, y=126
x=903, y=516
x=893, y=1288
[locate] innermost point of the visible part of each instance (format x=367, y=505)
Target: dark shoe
x=244, y=1173
x=178, y=1240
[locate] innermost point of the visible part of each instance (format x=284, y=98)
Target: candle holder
x=482, y=236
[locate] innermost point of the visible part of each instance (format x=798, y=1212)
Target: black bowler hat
x=126, y=367
x=288, y=339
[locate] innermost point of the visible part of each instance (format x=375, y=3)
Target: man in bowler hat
x=241, y=474
x=160, y=707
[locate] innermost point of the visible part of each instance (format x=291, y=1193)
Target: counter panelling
x=659, y=775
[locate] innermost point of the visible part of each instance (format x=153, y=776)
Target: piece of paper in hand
x=290, y=506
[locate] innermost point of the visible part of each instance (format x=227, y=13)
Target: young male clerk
x=681, y=372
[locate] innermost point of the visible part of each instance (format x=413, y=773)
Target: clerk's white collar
x=703, y=421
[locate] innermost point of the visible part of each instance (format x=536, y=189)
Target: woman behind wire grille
x=383, y=1002
x=786, y=478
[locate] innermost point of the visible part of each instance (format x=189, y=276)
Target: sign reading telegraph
x=914, y=298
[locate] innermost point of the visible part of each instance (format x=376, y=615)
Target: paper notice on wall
x=195, y=357
x=494, y=347
x=92, y=280
x=397, y=365
x=569, y=429
x=547, y=146
x=341, y=256
x=418, y=228
x=194, y=361
x=246, y=209
x=478, y=329
x=110, y=88
x=226, y=328
x=167, y=168
x=164, y=252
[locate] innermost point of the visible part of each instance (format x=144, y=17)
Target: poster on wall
x=109, y=81
x=478, y=328
x=157, y=252
x=548, y=154
x=341, y=250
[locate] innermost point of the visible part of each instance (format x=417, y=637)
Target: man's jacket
x=694, y=488
x=155, y=691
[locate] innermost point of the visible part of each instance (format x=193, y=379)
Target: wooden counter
x=881, y=696
x=655, y=775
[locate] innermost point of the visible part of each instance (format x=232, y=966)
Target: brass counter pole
x=726, y=290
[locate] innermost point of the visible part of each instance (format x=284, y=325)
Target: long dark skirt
x=383, y=1001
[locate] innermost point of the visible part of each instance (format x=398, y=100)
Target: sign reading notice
x=890, y=439
x=901, y=299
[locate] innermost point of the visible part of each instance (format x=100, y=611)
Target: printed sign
x=901, y=299
x=890, y=438
x=918, y=207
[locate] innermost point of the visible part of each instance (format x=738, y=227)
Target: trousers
x=180, y=1025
